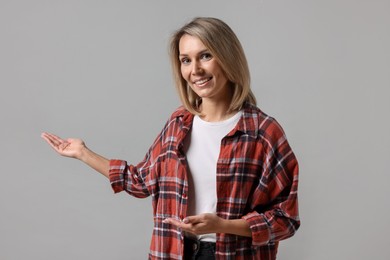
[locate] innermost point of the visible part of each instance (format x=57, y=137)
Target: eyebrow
x=201, y=52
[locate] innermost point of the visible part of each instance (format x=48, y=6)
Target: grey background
x=99, y=70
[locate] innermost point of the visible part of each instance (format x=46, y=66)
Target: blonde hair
x=224, y=45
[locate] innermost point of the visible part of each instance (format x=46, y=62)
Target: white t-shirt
x=202, y=147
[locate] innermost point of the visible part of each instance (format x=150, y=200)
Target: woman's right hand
x=70, y=147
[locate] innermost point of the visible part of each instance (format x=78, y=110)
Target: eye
x=185, y=60
x=206, y=56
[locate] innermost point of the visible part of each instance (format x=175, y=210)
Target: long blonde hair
x=224, y=45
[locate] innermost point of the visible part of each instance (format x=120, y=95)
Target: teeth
x=199, y=82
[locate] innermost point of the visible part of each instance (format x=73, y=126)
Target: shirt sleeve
x=274, y=214
x=138, y=180
x=124, y=177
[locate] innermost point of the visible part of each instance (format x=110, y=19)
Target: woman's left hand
x=199, y=224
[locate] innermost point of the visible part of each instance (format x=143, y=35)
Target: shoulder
x=179, y=119
x=182, y=114
x=260, y=124
x=268, y=132
x=179, y=112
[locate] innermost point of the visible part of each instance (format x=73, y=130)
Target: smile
x=202, y=81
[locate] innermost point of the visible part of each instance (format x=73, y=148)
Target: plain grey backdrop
x=99, y=70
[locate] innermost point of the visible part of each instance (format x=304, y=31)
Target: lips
x=202, y=81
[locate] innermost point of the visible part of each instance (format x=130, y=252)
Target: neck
x=214, y=110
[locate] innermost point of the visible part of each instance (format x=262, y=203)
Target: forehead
x=189, y=44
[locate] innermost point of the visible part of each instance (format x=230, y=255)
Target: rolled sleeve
x=118, y=168
x=280, y=220
x=261, y=232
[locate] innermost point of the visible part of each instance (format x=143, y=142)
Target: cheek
x=184, y=73
x=221, y=75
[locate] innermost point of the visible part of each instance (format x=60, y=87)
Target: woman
x=222, y=176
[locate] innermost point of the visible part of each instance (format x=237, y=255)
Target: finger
x=56, y=139
x=172, y=221
x=179, y=224
x=53, y=146
x=192, y=219
x=49, y=140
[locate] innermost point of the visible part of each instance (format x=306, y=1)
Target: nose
x=196, y=68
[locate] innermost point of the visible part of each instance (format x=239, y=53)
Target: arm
x=76, y=148
x=96, y=161
x=277, y=221
x=274, y=205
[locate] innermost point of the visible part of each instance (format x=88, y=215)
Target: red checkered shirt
x=257, y=180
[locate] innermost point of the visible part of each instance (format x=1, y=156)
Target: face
x=201, y=70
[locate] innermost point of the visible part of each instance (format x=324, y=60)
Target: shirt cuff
x=261, y=233
x=116, y=175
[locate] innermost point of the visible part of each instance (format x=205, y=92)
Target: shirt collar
x=248, y=123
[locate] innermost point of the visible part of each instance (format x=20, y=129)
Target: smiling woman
x=204, y=74
x=222, y=45
x=221, y=173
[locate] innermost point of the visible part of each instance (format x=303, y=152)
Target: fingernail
x=185, y=220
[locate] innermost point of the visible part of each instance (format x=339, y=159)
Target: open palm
x=70, y=147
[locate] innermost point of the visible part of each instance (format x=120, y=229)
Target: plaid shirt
x=257, y=180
